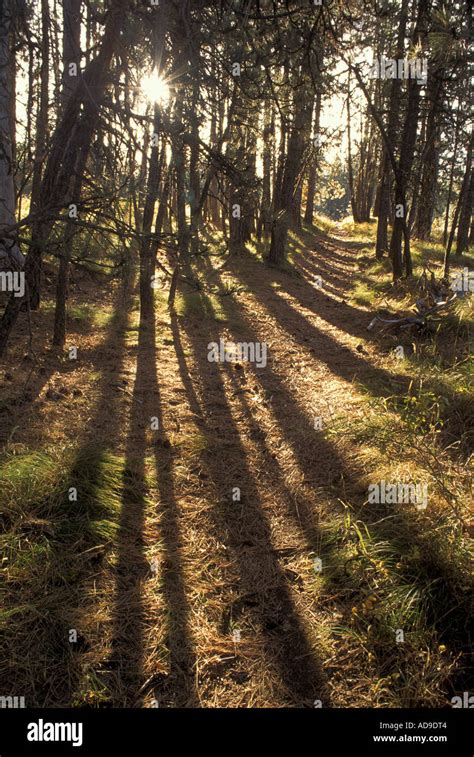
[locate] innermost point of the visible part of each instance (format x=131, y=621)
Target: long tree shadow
x=312, y=234
x=337, y=312
x=352, y=320
x=294, y=425
x=57, y=667
x=179, y=690
x=99, y=442
x=329, y=273
x=125, y=662
x=16, y=410
x=264, y=590
x=440, y=577
x=341, y=360
x=331, y=264
x=177, y=687
x=377, y=381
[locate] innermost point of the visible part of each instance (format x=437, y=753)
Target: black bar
x=244, y=731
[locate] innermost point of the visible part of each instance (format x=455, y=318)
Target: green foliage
x=333, y=194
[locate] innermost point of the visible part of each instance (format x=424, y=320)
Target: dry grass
x=183, y=595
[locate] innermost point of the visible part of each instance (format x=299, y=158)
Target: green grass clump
x=197, y=305
x=409, y=587
x=60, y=516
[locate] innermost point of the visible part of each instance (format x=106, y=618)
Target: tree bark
x=71, y=47
x=407, y=151
x=451, y=177
x=350, y=172
x=462, y=242
x=393, y=113
x=302, y=108
x=9, y=249
x=42, y=119
x=429, y=172
x=311, y=190
x=457, y=212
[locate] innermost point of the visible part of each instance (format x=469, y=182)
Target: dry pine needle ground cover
x=159, y=587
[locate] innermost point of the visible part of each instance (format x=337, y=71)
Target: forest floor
x=231, y=558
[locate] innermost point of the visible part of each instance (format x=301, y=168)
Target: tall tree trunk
x=42, y=120
x=8, y=247
x=60, y=313
x=457, y=212
x=393, y=114
x=157, y=157
x=71, y=73
x=213, y=201
x=179, y=157
x=430, y=162
x=350, y=172
x=280, y=164
x=303, y=109
x=162, y=207
x=407, y=151
x=194, y=180
x=451, y=176
x=268, y=146
x=71, y=47
x=147, y=257
x=236, y=155
x=467, y=197
x=296, y=208
x=311, y=190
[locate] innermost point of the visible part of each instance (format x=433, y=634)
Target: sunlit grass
x=60, y=519
x=405, y=570
x=323, y=223
x=196, y=305
x=402, y=574
x=358, y=232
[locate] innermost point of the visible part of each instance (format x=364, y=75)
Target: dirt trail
x=211, y=597
x=257, y=621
